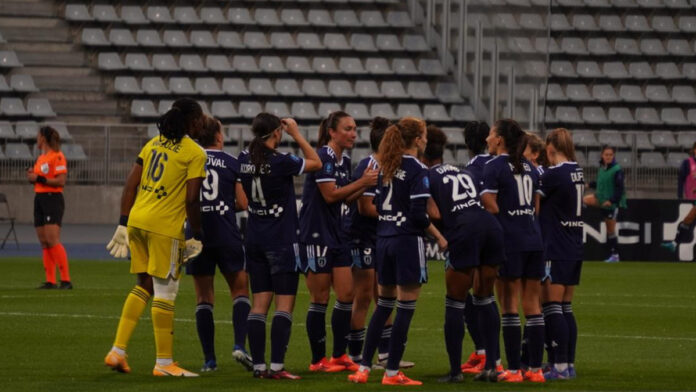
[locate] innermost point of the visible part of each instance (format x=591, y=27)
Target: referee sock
x=60, y=257
x=163, y=326
x=384, y=342
x=489, y=324
x=356, y=338
x=256, y=322
x=316, y=330
x=375, y=329
x=240, y=312
x=132, y=309
x=340, y=325
x=472, y=324
x=512, y=339
x=281, y=326
x=206, y=329
x=535, y=331
x=49, y=266
x=454, y=332
x=402, y=322
x=572, y=330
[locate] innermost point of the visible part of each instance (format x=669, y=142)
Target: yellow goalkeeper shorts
x=158, y=255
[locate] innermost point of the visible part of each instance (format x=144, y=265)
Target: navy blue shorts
x=229, y=259
x=472, y=246
x=610, y=213
x=401, y=260
x=322, y=259
x=363, y=258
x=565, y=272
x=528, y=264
x=273, y=268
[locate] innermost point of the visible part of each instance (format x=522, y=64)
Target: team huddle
x=504, y=224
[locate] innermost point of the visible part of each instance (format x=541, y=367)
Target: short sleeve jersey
x=562, y=187
x=272, y=202
x=218, y=200
x=50, y=165
x=361, y=230
x=160, y=206
x=475, y=168
x=515, y=198
x=320, y=222
x=454, y=192
x=393, y=199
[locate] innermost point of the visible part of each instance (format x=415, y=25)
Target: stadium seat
x=632, y=93
x=663, y=139
x=271, y=64
x=647, y=116
x=218, y=63
x=415, y=43
x=594, y=115
x=600, y=46
x=214, y=16
x=657, y=93
x=175, y=39
x=191, y=63
x=293, y=17
x=149, y=38
x=74, y=152
x=436, y=112
x=23, y=83
x=611, y=138
x=309, y=41
x=121, y=37
x=462, y=113
x=110, y=62
x=683, y=94
x=536, y=69
x=358, y=111
x=336, y=41
x=620, y=115
x=320, y=17
x=624, y=158
x=627, y=46
x=689, y=70
x=652, y=47
x=341, y=89
x=256, y=40
x=287, y=87
x=304, y=111
x=521, y=45
x=562, y=69
x=422, y=91
x=229, y=40
x=462, y=156
x=164, y=105
x=640, y=70
x=358, y=153
x=279, y=109
x=362, y=43
x=346, y=18
x=587, y=69
x=283, y=40
x=367, y=89
x=636, y=23
x=504, y=20
x=568, y=114
x=77, y=13
x=372, y=18
x=405, y=67
x=324, y=65
x=604, y=93
x=62, y=130
x=399, y=19
x=554, y=92
x=686, y=139
x=531, y=22
x=105, y=13
x=154, y=85
x=382, y=110
x=223, y=110
x=447, y=92
x=675, y=159
x=298, y=64
x=455, y=136
x=669, y=116
x=6, y=131
x=408, y=110
x=677, y=4
x=668, y=71
x=388, y=42
x=583, y=22
x=259, y=86
x=394, y=89
x=326, y=108
x=186, y=15
x=181, y=86
x=138, y=62
x=559, y=22
x=203, y=39
x=578, y=92
x=314, y=88
x=164, y=63
x=267, y=17
x=234, y=86
x=207, y=86
x=642, y=140
x=18, y=152
x=679, y=47
x=243, y=63
x=546, y=45
x=664, y=24
x=40, y=107
x=142, y=108
x=26, y=130
x=90, y=37
x=615, y=70
x=133, y=15
x=126, y=85
x=378, y=66
x=584, y=138
x=448, y=156
x=351, y=66
x=687, y=24
x=431, y=67
x=573, y=46
x=249, y=109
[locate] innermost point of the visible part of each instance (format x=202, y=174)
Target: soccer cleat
x=117, y=362
x=172, y=370
x=453, y=379
x=47, y=286
x=399, y=379
x=614, y=258
x=571, y=372
x=323, y=365
x=474, y=364
x=554, y=374
x=510, y=376
x=209, y=366
x=382, y=364
x=345, y=361
x=282, y=375
x=65, y=285
x=669, y=245
x=261, y=373
x=359, y=377
x=243, y=358
x=534, y=376
x=487, y=375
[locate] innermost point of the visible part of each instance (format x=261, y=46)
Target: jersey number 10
x=524, y=189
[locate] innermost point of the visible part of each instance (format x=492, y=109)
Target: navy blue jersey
x=393, y=200
x=475, y=168
x=562, y=187
x=320, y=222
x=361, y=230
x=454, y=192
x=515, y=198
x=271, y=193
x=217, y=200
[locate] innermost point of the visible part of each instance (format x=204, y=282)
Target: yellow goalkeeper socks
x=132, y=309
x=163, y=325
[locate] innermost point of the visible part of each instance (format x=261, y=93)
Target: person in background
x=535, y=152
x=686, y=186
x=610, y=195
x=48, y=176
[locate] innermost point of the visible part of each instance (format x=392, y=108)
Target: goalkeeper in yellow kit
x=161, y=191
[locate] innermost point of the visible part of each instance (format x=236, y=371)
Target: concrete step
x=82, y=84
x=29, y=21
x=107, y=107
x=72, y=95
x=61, y=59
x=28, y=8
x=92, y=119
x=60, y=34
x=64, y=72
x=48, y=47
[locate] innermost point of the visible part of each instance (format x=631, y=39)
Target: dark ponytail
x=185, y=117
x=330, y=122
x=475, y=134
x=262, y=127
x=51, y=136
x=437, y=140
x=515, y=141
x=378, y=126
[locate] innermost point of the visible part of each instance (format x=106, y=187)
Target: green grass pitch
x=636, y=325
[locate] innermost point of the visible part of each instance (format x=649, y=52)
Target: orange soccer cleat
x=510, y=376
x=399, y=379
x=359, y=377
x=117, y=362
x=534, y=376
x=172, y=370
x=345, y=361
x=475, y=364
x=323, y=365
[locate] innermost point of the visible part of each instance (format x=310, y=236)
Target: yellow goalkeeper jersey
x=160, y=206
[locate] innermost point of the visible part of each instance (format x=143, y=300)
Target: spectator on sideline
x=686, y=187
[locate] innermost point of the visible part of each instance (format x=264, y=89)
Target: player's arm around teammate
x=161, y=192
x=325, y=254
x=48, y=177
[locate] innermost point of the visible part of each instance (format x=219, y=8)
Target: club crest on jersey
x=328, y=168
x=426, y=182
x=44, y=168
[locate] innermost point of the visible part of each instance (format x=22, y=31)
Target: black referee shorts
x=48, y=209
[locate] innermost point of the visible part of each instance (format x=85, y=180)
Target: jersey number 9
x=209, y=190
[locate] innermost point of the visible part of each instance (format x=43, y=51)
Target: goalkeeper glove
x=685, y=233
x=194, y=246
x=118, y=246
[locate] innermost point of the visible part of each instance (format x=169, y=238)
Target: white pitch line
x=301, y=325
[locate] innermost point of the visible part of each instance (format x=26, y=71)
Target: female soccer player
x=562, y=186
x=610, y=195
x=475, y=241
x=401, y=197
x=509, y=186
x=326, y=258
x=271, y=236
x=221, y=196
x=48, y=176
x=536, y=152
x=161, y=192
